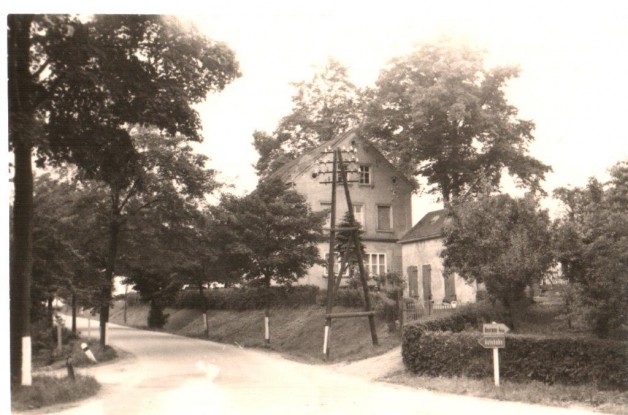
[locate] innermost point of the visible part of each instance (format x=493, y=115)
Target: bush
x=448, y=346
x=44, y=337
x=156, y=317
x=345, y=297
x=249, y=298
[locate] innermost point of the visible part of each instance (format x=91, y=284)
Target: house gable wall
x=427, y=252
x=387, y=188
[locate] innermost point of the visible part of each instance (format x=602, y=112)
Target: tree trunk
x=21, y=120
x=105, y=298
x=205, y=307
x=73, y=313
x=50, y=314
x=22, y=264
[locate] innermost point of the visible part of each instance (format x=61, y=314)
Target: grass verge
x=50, y=390
x=585, y=396
x=53, y=359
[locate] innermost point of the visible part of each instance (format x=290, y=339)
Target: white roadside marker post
x=326, y=341
x=267, y=328
x=27, y=373
x=88, y=353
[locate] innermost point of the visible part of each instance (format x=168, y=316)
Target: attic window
x=365, y=174
x=435, y=218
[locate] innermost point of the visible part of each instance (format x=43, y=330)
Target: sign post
x=494, y=338
x=496, y=365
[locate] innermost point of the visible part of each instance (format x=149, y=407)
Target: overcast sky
x=572, y=55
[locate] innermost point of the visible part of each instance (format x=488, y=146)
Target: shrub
x=345, y=297
x=156, y=317
x=387, y=308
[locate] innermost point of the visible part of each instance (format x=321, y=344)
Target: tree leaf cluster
x=273, y=233
x=438, y=114
x=500, y=241
x=324, y=107
x=591, y=244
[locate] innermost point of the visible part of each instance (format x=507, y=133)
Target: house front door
x=427, y=286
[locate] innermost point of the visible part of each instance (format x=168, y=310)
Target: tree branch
x=128, y=195
x=41, y=68
x=145, y=205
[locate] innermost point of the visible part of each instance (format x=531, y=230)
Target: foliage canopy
x=591, y=244
x=274, y=232
x=499, y=241
x=438, y=113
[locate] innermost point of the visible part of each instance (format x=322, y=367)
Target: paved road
x=167, y=374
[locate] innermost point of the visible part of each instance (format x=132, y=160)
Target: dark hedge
x=449, y=347
x=248, y=298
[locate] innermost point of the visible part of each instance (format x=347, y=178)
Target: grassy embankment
x=294, y=332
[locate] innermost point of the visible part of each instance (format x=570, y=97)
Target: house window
x=337, y=263
x=358, y=214
x=376, y=264
x=384, y=218
x=365, y=174
x=450, y=287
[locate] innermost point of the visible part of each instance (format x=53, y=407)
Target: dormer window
x=365, y=174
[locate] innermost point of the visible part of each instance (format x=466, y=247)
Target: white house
x=423, y=267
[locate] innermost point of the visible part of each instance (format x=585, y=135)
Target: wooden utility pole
x=330, y=263
x=358, y=252
x=339, y=167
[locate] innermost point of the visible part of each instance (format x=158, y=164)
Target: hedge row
x=248, y=298
x=549, y=360
x=467, y=317
x=448, y=346
x=262, y=297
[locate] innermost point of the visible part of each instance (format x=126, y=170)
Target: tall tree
x=74, y=87
x=439, y=114
x=166, y=177
x=591, y=244
x=276, y=232
x=65, y=256
x=501, y=242
x=323, y=108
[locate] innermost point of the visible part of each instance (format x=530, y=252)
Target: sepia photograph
x=315, y=207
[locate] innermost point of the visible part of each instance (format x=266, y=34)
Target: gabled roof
x=429, y=227
x=294, y=168
x=306, y=160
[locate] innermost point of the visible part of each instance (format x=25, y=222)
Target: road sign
x=494, y=329
x=493, y=342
